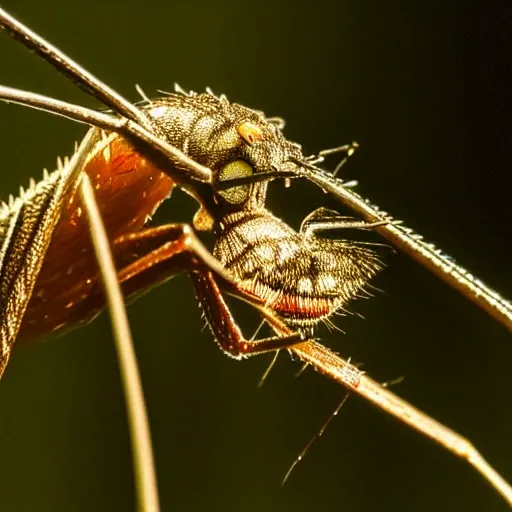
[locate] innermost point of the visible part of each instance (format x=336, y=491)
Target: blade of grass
x=146, y=488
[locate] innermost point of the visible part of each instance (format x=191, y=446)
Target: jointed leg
x=152, y=256
x=183, y=251
x=224, y=328
x=324, y=219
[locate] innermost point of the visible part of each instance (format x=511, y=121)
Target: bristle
x=106, y=153
x=142, y=94
x=179, y=89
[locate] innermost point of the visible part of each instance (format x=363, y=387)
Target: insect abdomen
x=128, y=190
x=303, y=278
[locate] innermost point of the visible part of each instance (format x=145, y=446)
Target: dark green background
x=426, y=91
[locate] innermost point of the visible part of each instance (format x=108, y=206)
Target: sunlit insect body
x=301, y=277
x=304, y=286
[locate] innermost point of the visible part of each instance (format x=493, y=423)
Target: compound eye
x=233, y=170
x=249, y=132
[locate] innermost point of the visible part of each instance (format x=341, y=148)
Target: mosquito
x=235, y=185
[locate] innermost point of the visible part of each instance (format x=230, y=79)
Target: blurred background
x=424, y=87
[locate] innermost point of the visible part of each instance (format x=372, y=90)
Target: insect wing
x=27, y=225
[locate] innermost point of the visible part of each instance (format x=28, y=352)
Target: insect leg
x=150, y=257
x=70, y=69
x=164, y=155
x=158, y=260
x=153, y=262
x=405, y=239
x=155, y=254
x=225, y=330
x=324, y=219
x=142, y=259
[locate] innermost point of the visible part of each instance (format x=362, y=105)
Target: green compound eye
x=233, y=170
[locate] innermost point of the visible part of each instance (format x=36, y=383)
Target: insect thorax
x=209, y=129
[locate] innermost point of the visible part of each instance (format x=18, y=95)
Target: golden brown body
x=128, y=190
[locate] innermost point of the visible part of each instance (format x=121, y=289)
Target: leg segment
x=143, y=259
x=324, y=219
x=185, y=252
x=228, y=335
x=148, y=258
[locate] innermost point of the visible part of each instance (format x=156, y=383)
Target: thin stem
x=144, y=467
